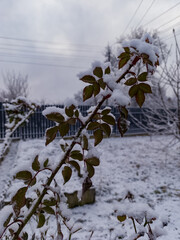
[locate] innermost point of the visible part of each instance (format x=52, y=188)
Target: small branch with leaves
x=80, y=154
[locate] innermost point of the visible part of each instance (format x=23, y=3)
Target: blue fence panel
x=37, y=124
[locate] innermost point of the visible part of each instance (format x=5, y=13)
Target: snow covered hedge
x=17, y=112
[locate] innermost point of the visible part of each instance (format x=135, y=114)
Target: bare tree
x=16, y=85
x=163, y=114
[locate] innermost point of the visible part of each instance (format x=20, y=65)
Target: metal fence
x=37, y=124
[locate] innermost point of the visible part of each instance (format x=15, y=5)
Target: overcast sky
x=53, y=40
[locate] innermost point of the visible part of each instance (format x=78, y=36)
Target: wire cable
x=43, y=42
x=169, y=28
x=50, y=48
x=169, y=9
x=44, y=54
x=153, y=1
x=132, y=17
x=34, y=57
x=168, y=22
x=42, y=64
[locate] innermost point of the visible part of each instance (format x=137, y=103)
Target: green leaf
x=105, y=111
x=63, y=147
x=55, y=116
x=46, y=162
x=130, y=81
x=8, y=220
x=85, y=142
x=69, y=112
x=107, y=70
x=98, y=72
x=36, y=164
x=71, y=121
x=149, y=62
x=66, y=172
x=133, y=90
x=145, y=56
x=124, y=55
x=24, y=175
x=76, y=113
x=31, y=182
x=140, y=97
x=41, y=221
x=19, y=200
x=109, y=119
x=93, y=125
x=48, y=210
x=106, y=129
x=122, y=124
x=143, y=77
x=76, y=154
x=124, y=112
x=51, y=134
x=90, y=170
x=88, y=92
x=101, y=83
x=88, y=79
x=25, y=236
x=63, y=128
x=97, y=116
x=93, y=161
x=126, y=49
x=96, y=89
x=146, y=88
x=50, y=202
x=76, y=166
x=123, y=61
x=98, y=136
x=121, y=218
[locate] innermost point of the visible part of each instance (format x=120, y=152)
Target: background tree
x=16, y=85
x=163, y=113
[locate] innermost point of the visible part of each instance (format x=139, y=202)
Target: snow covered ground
x=143, y=166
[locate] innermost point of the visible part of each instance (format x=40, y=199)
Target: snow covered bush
x=142, y=217
x=39, y=199
x=17, y=113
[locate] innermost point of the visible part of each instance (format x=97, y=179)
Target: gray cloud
x=82, y=28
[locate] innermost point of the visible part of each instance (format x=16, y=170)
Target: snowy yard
x=142, y=166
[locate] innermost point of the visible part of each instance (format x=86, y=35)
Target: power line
x=169, y=28
x=44, y=54
x=41, y=64
x=48, y=48
x=40, y=57
x=145, y=13
x=44, y=42
x=170, y=36
x=162, y=14
x=167, y=22
x=132, y=17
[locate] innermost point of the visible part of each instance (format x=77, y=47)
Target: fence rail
x=37, y=124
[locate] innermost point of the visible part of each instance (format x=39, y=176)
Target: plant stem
x=134, y=225
x=50, y=179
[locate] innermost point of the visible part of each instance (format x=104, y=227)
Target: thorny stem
x=53, y=174
x=17, y=220
x=66, y=154
x=37, y=174
x=127, y=71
